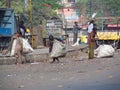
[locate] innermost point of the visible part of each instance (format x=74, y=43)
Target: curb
x=40, y=56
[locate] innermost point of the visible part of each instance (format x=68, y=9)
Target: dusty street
x=69, y=74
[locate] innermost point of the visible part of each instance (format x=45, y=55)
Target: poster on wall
x=54, y=27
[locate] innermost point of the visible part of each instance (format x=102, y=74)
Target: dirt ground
x=69, y=74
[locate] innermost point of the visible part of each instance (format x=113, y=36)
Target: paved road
x=69, y=74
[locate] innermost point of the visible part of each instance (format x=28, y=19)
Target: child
x=18, y=48
x=51, y=41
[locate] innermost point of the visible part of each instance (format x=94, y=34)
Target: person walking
x=75, y=32
x=51, y=42
x=92, y=42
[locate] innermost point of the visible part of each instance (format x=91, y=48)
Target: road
x=69, y=74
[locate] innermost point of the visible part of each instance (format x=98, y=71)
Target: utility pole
x=8, y=3
x=90, y=8
x=63, y=16
x=31, y=12
x=31, y=23
x=102, y=7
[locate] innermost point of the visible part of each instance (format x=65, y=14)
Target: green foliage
x=44, y=10
x=53, y=4
x=103, y=8
x=113, y=6
x=41, y=9
x=2, y=4
x=100, y=6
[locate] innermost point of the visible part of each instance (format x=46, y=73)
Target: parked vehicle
x=8, y=26
x=106, y=37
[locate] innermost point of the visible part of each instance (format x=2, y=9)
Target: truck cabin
x=8, y=26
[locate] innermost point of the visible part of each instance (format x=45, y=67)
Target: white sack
x=58, y=49
x=26, y=46
x=13, y=48
x=77, y=42
x=104, y=51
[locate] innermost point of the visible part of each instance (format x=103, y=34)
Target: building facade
x=68, y=13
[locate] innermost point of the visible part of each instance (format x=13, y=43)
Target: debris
x=41, y=77
x=62, y=64
x=21, y=86
x=35, y=63
x=110, y=76
x=60, y=85
x=54, y=79
x=77, y=43
x=81, y=71
x=39, y=47
x=11, y=75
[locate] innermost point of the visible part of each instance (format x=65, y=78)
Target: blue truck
x=8, y=26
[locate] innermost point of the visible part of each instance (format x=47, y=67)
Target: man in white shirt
x=91, y=25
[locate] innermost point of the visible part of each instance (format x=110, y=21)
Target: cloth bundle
x=58, y=49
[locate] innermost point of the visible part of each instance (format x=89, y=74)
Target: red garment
x=91, y=37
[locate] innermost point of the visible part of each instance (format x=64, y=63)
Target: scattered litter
x=62, y=64
x=60, y=85
x=81, y=71
x=21, y=86
x=77, y=42
x=35, y=63
x=29, y=75
x=39, y=47
x=42, y=77
x=71, y=78
x=97, y=71
x=54, y=79
x=57, y=70
x=11, y=75
x=110, y=76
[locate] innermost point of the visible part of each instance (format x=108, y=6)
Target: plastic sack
x=104, y=51
x=13, y=48
x=77, y=42
x=58, y=49
x=26, y=47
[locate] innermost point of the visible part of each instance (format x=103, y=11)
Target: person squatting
x=51, y=41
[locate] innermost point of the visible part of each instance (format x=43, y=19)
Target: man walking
x=75, y=32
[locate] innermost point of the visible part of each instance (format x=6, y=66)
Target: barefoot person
x=51, y=41
x=18, y=48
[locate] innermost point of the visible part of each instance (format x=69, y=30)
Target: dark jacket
x=51, y=41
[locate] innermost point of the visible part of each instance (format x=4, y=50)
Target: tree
x=113, y=6
x=53, y=4
x=42, y=9
x=2, y=3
